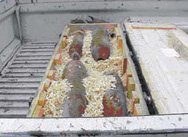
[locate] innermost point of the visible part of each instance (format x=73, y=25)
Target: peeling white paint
x=111, y=125
x=164, y=63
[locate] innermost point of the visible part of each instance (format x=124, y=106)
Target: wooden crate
x=129, y=74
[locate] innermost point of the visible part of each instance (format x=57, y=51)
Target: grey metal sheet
x=28, y=70
x=23, y=74
x=34, y=53
x=27, y=58
x=37, y=47
x=18, y=91
x=37, y=50
x=28, y=66
x=12, y=80
x=13, y=104
x=16, y=97
x=13, y=112
x=19, y=85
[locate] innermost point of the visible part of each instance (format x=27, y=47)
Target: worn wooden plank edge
x=138, y=89
x=129, y=30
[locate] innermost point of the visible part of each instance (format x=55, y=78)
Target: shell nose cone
x=75, y=56
x=102, y=53
x=75, y=51
x=114, y=104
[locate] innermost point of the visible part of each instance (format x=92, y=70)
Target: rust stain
x=178, y=46
x=158, y=28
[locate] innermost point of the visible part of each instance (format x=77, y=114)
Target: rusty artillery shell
x=114, y=100
x=100, y=46
x=74, y=105
x=75, y=50
x=74, y=71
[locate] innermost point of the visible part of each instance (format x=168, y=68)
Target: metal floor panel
x=21, y=77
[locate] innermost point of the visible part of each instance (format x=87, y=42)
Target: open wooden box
x=135, y=99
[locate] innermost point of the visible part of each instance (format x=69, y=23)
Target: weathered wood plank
x=162, y=55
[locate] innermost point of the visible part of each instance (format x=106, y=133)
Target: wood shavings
x=96, y=85
x=55, y=96
x=65, y=59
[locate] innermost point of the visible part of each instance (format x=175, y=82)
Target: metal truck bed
x=25, y=22
x=21, y=77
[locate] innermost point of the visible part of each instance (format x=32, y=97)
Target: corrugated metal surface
x=21, y=77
